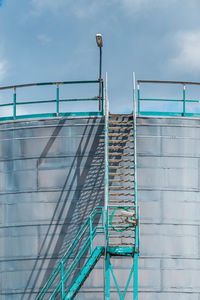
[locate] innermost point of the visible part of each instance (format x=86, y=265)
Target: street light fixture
x=99, y=41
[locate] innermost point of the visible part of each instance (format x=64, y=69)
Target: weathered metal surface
x=168, y=193
x=52, y=175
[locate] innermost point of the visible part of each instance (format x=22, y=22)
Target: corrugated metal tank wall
x=169, y=197
x=52, y=175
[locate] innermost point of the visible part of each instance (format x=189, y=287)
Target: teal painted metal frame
x=107, y=254
x=120, y=251
x=60, y=272
x=57, y=101
x=137, y=236
x=184, y=101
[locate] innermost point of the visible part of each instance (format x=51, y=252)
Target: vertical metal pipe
x=135, y=277
x=138, y=94
x=107, y=258
x=106, y=156
x=62, y=281
x=100, y=62
x=107, y=277
x=103, y=100
x=183, y=100
x=91, y=236
x=14, y=103
x=100, y=77
x=135, y=260
x=57, y=100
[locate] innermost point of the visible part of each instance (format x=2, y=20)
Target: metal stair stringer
x=59, y=286
x=121, y=180
x=84, y=273
x=122, y=212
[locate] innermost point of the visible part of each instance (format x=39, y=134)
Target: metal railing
x=15, y=102
x=183, y=99
x=137, y=245
x=119, y=222
x=106, y=160
x=84, y=241
x=137, y=228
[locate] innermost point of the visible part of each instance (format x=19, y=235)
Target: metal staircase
x=117, y=221
x=121, y=181
x=61, y=284
x=84, y=273
x=122, y=214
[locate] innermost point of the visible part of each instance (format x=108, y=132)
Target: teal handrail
x=182, y=100
x=137, y=228
x=57, y=281
x=15, y=103
x=106, y=152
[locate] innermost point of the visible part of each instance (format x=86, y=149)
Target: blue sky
x=52, y=40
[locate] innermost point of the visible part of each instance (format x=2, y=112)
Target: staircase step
x=121, y=122
x=128, y=233
x=121, y=174
x=121, y=180
x=120, y=195
x=124, y=203
x=121, y=167
x=121, y=187
x=120, y=134
x=122, y=206
x=120, y=154
x=120, y=160
x=121, y=222
x=120, y=141
x=115, y=237
x=120, y=147
x=84, y=273
x=121, y=115
x=121, y=128
x=121, y=244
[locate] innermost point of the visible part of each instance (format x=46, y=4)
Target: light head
x=99, y=40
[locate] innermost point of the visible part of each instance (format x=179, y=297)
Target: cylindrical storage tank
x=169, y=198
x=52, y=176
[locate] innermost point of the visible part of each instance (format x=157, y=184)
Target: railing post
x=107, y=276
x=138, y=94
x=135, y=259
x=184, y=100
x=107, y=256
x=14, y=103
x=57, y=100
x=106, y=160
x=135, y=277
x=91, y=236
x=62, y=280
x=134, y=98
x=100, y=94
x=102, y=98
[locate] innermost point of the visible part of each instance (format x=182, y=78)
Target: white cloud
x=188, y=56
x=47, y=4
x=44, y=39
x=132, y=6
x=85, y=9
x=80, y=8
x=135, y=4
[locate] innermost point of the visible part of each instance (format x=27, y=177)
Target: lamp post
x=99, y=41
